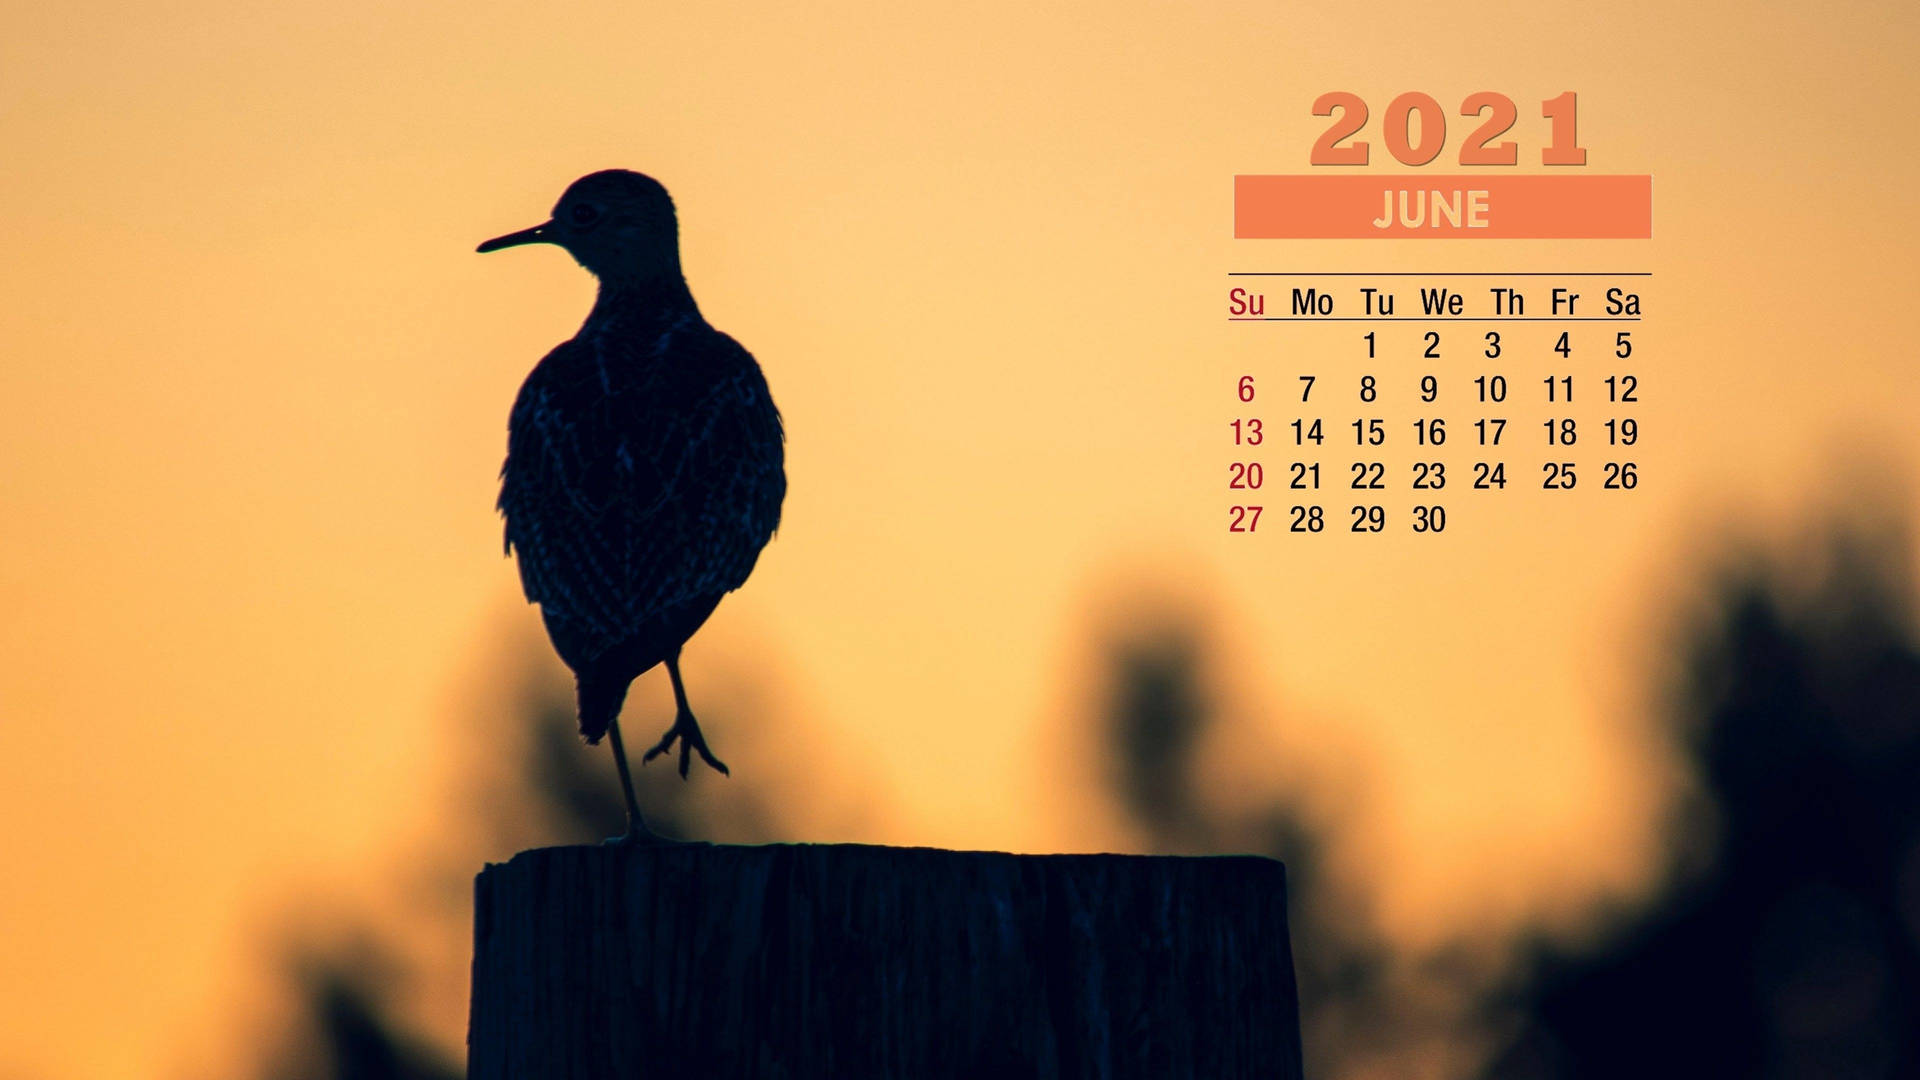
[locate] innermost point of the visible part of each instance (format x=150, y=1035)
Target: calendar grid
x=1512, y=392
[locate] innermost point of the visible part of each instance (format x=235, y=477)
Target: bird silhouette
x=644, y=467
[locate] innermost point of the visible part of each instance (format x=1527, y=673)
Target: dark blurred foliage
x=1783, y=940
x=347, y=1027
x=1365, y=1009
x=1786, y=941
x=357, y=1005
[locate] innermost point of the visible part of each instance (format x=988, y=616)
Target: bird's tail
x=600, y=701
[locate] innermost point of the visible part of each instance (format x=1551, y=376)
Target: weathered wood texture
x=847, y=962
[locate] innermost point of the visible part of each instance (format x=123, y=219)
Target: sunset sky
x=254, y=385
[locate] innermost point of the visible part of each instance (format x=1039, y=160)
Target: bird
x=645, y=465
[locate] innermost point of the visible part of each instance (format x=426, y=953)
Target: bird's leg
x=637, y=831
x=685, y=728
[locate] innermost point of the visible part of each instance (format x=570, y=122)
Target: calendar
x=1429, y=401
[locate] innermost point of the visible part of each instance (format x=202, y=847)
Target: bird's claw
x=687, y=731
x=639, y=836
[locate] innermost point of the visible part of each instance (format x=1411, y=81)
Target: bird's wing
x=635, y=485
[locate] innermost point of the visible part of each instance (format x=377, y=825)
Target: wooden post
x=799, y=962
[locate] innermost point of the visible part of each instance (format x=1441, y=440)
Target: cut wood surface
x=846, y=961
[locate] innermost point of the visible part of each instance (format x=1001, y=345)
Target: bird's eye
x=584, y=214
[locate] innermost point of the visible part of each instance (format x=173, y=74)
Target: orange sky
x=255, y=382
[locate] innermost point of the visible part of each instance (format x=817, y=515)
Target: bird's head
x=618, y=224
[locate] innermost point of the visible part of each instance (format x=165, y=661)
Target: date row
x=1313, y=519
x=1487, y=431
x=1621, y=388
x=1431, y=476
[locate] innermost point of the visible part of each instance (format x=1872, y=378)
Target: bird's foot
x=638, y=836
x=686, y=729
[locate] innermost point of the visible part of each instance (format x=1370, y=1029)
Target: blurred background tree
x=1783, y=942
x=387, y=1002
x=1366, y=1008
x=347, y=1026
x=1782, y=938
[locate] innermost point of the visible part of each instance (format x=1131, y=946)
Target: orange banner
x=1410, y=205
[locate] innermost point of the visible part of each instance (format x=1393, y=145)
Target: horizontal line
x=1433, y=318
x=1439, y=273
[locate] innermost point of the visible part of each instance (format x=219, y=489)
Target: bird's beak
x=539, y=234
